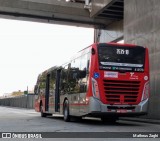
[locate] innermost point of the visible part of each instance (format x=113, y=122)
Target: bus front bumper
x=98, y=109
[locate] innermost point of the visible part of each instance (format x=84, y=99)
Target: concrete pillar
x=141, y=26
x=111, y=33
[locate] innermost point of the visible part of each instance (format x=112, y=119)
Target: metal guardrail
x=25, y=101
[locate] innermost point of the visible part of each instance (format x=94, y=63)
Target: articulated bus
x=104, y=80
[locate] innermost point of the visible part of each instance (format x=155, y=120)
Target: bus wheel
x=42, y=113
x=66, y=111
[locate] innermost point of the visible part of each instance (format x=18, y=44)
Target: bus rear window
x=120, y=58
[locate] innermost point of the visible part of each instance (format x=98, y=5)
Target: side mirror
x=87, y=71
x=93, y=51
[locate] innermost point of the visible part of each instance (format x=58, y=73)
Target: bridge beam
x=50, y=11
x=108, y=9
x=98, y=5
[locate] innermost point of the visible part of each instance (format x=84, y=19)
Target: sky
x=29, y=48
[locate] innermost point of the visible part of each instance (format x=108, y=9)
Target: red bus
x=105, y=80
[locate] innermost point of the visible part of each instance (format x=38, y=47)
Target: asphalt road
x=24, y=120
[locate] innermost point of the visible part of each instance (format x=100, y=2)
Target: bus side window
x=73, y=76
x=37, y=86
x=83, y=73
x=52, y=82
x=42, y=85
x=83, y=68
x=64, y=81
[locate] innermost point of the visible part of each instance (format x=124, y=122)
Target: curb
x=152, y=121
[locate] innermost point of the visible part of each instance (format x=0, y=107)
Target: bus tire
x=42, y=113
x=66, y=111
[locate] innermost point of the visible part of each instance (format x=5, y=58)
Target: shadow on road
x=95, y=121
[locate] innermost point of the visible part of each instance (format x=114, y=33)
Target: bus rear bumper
x=97, y=108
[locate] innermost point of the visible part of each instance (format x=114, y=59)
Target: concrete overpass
x=86, y=13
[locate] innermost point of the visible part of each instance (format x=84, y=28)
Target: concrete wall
x=112, y=32
x=142, y=27
x=25, y=101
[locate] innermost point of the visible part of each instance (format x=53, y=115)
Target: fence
x=25, y=101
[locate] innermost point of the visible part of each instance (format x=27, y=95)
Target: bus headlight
x=146, y=91
x=95, y=89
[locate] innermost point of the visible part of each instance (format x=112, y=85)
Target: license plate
x=121, y=111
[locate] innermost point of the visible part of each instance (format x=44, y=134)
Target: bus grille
x=121, y=92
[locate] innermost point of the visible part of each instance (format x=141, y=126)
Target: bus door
x=57, y=91
x=47, y=92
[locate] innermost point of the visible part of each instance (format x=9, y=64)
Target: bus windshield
x=119, y=58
